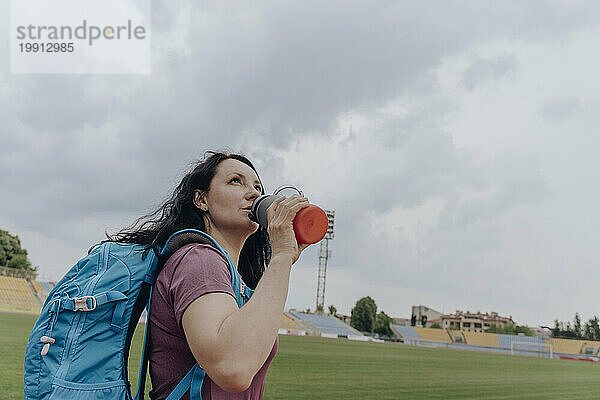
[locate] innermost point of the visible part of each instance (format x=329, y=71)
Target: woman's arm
x=231, y=344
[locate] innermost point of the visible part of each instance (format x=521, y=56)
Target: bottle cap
x=310, y=224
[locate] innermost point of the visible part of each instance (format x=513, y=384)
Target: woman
x=195, y=317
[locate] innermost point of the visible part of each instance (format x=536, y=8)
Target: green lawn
x=318, y=368
x=14, y=332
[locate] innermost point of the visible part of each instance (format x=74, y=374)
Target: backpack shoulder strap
x=139, y=395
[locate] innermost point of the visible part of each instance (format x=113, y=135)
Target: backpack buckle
x=81, y=303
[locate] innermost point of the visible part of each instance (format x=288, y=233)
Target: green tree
x=556, y=329
x=12, y=255
x=591, y=329
x=510, y=329
x=332, y=310
x=522, y=329
x=587, y=332
x=362, y=316
x=319, y=309
x=435, y=325
x=577, y=325
x=382, y=324
x=567, y=331
x=594, y=328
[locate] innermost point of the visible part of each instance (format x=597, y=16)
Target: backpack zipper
x=66, y=360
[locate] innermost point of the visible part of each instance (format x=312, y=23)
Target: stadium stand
x=481, y=339
x=287, y=322
x=407, y=333
x=326, y=323
x=456, y=336
x=37, y=286
x=566, y=346
x=434, y=335
x=16, y=293
x=42, y=289
x=590, y=348
x=48, y=286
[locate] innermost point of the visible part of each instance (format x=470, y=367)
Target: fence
x=17, y=273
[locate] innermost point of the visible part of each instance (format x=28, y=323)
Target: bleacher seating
x=16, y=293
x=566, y=346
x=326, y=323
x=434, y=335
x=42, y=289
x=406, y=332
x=38, y=287
x=287, y=322
x=481, y=339
x=48, y=286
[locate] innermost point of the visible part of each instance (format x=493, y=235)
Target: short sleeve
x=203, y=269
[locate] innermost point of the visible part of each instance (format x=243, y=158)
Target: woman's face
x=230, y=196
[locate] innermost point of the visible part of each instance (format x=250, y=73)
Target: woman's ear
x=199, y=200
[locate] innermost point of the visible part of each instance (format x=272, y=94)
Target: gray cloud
x=83, y=153
x=483, y=69
x=559, y=109
x=510, y=181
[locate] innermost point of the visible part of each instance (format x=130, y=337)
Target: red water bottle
x=310, y=223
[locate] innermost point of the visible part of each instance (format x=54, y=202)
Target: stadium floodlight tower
x=324, y=254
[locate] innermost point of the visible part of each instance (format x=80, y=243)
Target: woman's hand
x=281, y=214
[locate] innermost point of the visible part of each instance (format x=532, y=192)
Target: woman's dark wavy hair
x=179, y=212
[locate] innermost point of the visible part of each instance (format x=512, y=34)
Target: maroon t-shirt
x=194, y=270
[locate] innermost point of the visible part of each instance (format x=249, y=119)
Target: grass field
x=315, y=368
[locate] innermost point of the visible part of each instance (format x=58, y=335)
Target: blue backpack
x=79, y=346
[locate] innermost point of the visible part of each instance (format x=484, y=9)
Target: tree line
x=365, y=318
x=590, y=330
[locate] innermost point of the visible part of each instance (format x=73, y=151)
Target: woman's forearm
x=249, y=333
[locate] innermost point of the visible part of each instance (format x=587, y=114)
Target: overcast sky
x=457, y=143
